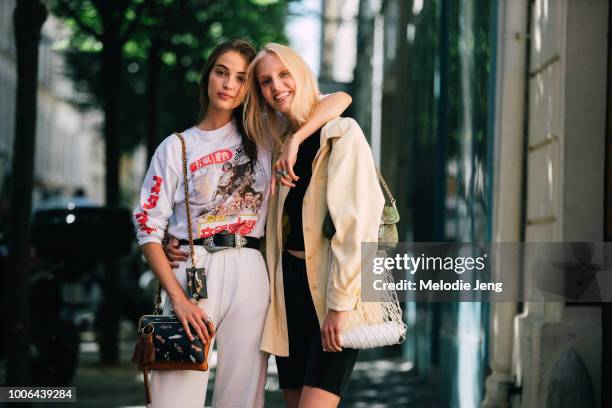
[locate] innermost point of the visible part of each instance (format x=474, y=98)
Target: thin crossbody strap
x=385, y=186
x=158, y=308
x=187, y=208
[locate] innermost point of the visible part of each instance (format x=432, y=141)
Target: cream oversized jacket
x=343, y=182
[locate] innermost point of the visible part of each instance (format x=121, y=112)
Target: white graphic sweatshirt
x=227, y=192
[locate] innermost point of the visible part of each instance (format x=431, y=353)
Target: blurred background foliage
x=166, y=44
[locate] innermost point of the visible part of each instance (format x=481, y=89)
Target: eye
x=220, y=72
x=241, y=79
x=285, y=74
x=264, y=81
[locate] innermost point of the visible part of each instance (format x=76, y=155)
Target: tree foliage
x=181, y=34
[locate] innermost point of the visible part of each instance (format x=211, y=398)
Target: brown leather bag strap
x=147, y=387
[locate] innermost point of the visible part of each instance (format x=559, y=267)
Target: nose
x=275, y=84
x=229, y=83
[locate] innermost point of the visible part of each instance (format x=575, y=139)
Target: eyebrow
x=223, y=66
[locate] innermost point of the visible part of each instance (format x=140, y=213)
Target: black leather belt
x=221, y=241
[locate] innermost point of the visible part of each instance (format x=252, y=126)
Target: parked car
x=69, y=241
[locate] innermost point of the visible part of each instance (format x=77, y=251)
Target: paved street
x=374, y=384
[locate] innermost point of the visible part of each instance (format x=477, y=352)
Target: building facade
x=550, y=186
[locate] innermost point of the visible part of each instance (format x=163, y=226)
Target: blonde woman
x=334, y=172
x=223, y=163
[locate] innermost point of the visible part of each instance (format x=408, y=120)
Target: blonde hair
x=264, y=124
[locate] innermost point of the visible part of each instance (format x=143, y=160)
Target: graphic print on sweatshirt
x=232, y=188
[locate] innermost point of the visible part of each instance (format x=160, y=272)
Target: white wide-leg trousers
x=238, y=300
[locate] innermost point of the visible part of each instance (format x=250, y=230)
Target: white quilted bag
x=376, y=335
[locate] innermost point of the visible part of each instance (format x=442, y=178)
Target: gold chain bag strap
x=162, y=343
x=387, y=230
x=196, y=278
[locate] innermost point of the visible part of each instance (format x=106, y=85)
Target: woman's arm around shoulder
x=329, y=107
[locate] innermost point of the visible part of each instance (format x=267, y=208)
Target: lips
x=225, y=96
x=282, y=96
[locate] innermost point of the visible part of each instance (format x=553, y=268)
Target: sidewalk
x=374, y=384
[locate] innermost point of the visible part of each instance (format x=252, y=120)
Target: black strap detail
x=225, y=240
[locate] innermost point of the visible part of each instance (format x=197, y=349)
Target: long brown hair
x=245, y=49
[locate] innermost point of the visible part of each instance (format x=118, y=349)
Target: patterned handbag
x=162, y=342
x=163, y=345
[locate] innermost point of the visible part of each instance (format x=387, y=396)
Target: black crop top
x=293, y=202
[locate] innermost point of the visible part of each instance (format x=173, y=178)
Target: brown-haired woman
x=223, y=165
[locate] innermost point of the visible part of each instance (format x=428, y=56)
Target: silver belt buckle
x=210, y=245
x=240, y=241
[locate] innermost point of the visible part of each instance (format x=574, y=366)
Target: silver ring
x=208, y=320
x=281, y=173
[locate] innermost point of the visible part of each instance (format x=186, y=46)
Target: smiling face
x=276, y=83
x=226, y=81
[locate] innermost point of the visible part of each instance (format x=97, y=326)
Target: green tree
x=163, y=57
x=109, y=24
x=178, y=36
x=28, y=18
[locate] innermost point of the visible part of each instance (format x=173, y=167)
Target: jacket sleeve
x=355, y=202
x=157, y=195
